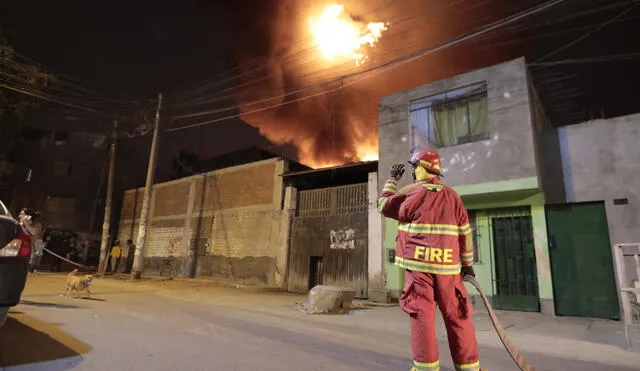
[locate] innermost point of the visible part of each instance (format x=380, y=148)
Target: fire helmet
x=429, y=160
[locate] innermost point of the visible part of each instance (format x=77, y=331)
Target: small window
x=61, y=167
x=65, y=205
x=451, y=118
x=61, y=138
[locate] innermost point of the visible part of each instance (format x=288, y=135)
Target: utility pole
x=106, y=224
x=138, y=262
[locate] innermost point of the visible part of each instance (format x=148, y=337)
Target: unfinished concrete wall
x=508, y=153
x=547, y=149
x=231, y=218
x=375, y=253
x=599, y=162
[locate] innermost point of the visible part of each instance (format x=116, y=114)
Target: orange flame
x=338, y=36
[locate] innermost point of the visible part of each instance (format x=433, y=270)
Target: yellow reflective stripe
x=433, y=187
x=475, y=366
x=390, y=186
x=382, y=201
x=465, y=229
x=421, y=366
x=467, y=255
x=427, y=163
x=447, y=229
x=424, y=267
x=389, y=189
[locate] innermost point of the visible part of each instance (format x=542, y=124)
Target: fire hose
x=508, y=345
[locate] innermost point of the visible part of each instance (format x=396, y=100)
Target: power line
x=231, y=92
x=600, y=27
x=307, y=52
x=295, y=91
x=260, y=60
x=39, y=96
x=374, y=70
x=607, y=58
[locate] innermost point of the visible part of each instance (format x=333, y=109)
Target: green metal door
x=581, y=263
x=515, y=264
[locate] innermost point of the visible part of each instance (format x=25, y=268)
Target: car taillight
x=20, y=246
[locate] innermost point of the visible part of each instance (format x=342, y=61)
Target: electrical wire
x=600, y=27
x=373, y=71
x=607, y=58
x=230, y=93
x=292, y=92
x=554, y=34
x=262, y=59
x=39, y=96
x=292, y=56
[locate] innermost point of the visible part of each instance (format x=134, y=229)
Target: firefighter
x=435, y=250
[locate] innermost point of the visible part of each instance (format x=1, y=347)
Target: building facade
x=546, y=204
x=333, y=237
x=592, y=204
x=271, y=222
x=486, y=125
x=62, y=174
x=233, y=219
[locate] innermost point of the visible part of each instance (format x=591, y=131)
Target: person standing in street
x=36, y=254
x=434, y=248
x=31, y=223
x=131, y=251
x=116, y=252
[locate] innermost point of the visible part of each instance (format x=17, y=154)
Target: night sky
x=142, y=47
x=134, y=47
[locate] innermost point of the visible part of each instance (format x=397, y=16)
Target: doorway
x=581, y=263
x=316, y=271
x=515, y=263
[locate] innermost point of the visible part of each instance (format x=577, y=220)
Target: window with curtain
x=451, y=118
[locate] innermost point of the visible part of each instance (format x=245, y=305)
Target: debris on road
x=328, y=299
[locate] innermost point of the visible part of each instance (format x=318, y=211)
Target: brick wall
x=231, y=216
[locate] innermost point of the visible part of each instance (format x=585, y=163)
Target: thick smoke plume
x=273, y=46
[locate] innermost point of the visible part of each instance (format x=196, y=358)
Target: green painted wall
x=484, y=268
x=483, y=197
x=545, y=285
x=395, y=275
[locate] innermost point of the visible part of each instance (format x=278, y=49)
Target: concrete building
x=593, y=204
x=269, y=221
x=62, y=174
x=491, y=160
x=334, y=231
x=234, y=219
x=525, y=185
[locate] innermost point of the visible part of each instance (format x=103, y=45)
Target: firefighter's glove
x=468, y=271
x=397, y=171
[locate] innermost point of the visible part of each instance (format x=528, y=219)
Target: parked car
x=15, y=250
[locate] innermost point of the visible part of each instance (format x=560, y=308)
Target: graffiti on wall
x=344, y=239
x=175, y=247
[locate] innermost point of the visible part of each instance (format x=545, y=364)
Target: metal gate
x=329, y=239
x=515, y=262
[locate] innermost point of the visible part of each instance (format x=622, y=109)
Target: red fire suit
x=432, y=247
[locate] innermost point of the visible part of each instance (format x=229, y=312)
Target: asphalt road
x=142, y=330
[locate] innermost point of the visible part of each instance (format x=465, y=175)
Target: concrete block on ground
x=380, y=296
x=328, y=299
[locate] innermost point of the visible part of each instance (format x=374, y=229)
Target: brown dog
x=79, y=283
